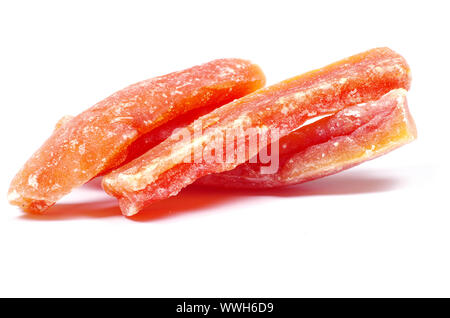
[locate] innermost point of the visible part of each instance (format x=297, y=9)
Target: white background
x=380, y=229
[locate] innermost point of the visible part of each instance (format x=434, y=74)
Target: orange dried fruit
x=165, y=169
x=329, y=145
x=97, y=139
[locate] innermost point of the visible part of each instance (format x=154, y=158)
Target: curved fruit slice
x=157, y=135
x=97, y=139
x=154, y=137
x=165, y=169
x=341, y=141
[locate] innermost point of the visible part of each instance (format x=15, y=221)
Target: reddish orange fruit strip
x=151, y=139
x=343, y=140
x=163, y=171
x=157, y=135
x=97, y=139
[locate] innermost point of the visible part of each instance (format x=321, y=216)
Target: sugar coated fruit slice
x=155, y=136
x=97, y=139
x=329, y=145
x=165, y=169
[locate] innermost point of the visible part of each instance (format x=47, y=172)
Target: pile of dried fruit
x=156, y=137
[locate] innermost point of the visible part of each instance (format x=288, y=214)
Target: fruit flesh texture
x=151, y=139
x=329, y=145
x=97, y=139
x=162, y=171
x=157, y=135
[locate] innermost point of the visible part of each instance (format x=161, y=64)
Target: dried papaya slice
x=155, y=136
x=97, y=139
x=329, y=145
x=165, y=169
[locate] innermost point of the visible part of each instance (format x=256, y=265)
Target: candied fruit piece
x=157, y=135
x=165, y=169
x=329, y=145
x=97, y=139
x=154, y=137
